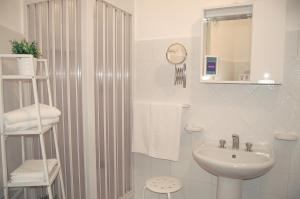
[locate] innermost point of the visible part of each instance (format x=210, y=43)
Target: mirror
x=227, y=44
x=176, y=53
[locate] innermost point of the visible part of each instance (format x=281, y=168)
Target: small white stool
x=162, y=185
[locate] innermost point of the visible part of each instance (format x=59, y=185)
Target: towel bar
x=186, y=106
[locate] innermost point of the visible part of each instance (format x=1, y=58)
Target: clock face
x=176, y=53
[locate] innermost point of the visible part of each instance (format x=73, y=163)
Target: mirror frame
x=203, y=47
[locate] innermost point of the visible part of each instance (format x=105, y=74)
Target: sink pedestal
x=229, y=188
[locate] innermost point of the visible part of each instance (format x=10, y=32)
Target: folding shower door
x=56, y=26
x=113, y=100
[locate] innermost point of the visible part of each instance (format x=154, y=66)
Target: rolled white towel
x=29, y=113
x=20, y=126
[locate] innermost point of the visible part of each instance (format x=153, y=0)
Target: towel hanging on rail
x=156, y=129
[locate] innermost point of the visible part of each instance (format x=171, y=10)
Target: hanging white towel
x=141, y=125
x=156, y=129
x=29, y=113
x=165, y=128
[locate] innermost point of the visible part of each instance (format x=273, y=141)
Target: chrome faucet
x=235, y=141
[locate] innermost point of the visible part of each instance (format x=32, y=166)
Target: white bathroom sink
x=232, y=163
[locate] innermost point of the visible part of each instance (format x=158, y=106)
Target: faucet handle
x=249, y=146
x=222, y=144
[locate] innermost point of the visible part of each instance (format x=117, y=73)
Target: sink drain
x=233, y=156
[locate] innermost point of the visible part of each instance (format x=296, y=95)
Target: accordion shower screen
x=113, y=100
x=55, y=25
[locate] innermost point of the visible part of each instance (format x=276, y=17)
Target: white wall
x=127, y=5
x=176, y=18
x=5, y=36
x=10, y=28
x=293, y=15
x=11, y=14
x=252, y=111
x=11, y=99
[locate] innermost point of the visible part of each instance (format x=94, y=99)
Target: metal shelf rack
x=39, y=131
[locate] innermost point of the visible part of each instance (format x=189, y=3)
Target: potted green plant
x=26, y=65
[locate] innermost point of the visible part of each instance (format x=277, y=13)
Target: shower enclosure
x=113, y=100
x=57, y=26
x=54, y=25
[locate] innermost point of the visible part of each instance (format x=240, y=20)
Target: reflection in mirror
x=227, y=47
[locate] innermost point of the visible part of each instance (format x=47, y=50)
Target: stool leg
x=144, y=190
x=169, y=196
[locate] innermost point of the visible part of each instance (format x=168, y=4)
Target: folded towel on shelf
x=32, y=170
x=20, y=126
x=28, y=113
x=21, y=179
x=156, y=129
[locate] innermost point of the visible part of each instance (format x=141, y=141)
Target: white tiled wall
x=254, y=112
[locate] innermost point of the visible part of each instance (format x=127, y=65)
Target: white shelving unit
x=42, y=164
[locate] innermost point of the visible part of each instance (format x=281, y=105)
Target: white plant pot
x=27, y=65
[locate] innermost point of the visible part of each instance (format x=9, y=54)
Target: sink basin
x=237, y=164
x=232, y=165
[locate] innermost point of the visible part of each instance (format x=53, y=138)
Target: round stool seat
x=163, y=184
